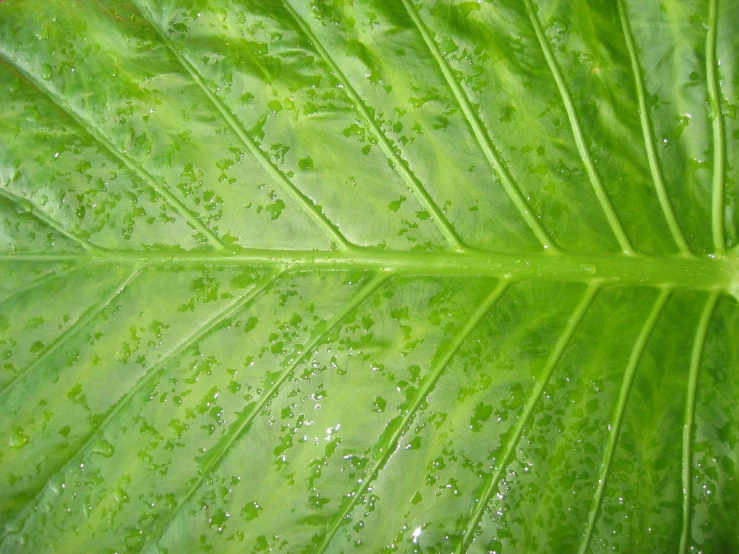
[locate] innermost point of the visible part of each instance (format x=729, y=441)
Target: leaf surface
x=369, y=276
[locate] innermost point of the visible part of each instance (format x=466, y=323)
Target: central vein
x=677, y=271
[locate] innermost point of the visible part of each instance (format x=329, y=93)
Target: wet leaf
x=336, y=276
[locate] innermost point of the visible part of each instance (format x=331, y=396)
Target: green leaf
x=369, y=275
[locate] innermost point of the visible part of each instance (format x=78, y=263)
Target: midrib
x=677, y=271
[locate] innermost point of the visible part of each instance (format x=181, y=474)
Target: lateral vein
x=46, y=220
x=551, y=364
x=600, y=191
x=615, y=427
x=238, y=428
x=71, y=268
x=719, y=144
x=482, y=137
x=695, y=361
x=200, y=331
x=389, y=448
x=654, y=167
x=87, y=316
x=400, y=165
x=124, y=158
x=309, y=206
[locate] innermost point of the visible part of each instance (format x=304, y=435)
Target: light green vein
x=215, y=455
x=201, y=330
x=400, y=165
x=310, y=207
x=87, y=316
x=481, y=135
x=127, y=160
x=659, y=184
x=41, y=281
x=389, y=447
x=554, y=358
x=677, y=271
x=695, y=361
x=45, y=219
x=615, y=427
x=600, y=191
x=719, y=145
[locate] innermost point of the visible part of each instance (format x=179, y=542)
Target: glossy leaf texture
x=369, y=276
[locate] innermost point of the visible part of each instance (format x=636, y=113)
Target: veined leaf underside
x=336, y=276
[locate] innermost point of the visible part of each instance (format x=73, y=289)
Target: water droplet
x=46, y=72
x=103, y=447
x=590, y=269
x=23, y=206
x=18, y=439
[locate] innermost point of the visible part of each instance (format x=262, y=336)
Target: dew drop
x=23, y=206
x=103, y=447
x=46, y=72
x=590, y=269
x=18, y=439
